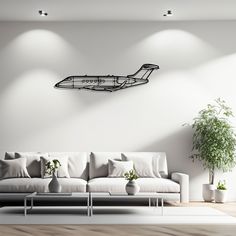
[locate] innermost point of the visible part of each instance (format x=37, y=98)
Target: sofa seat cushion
x=159, y=185
x=117, y=185
x=113, y=185
x=26, y=185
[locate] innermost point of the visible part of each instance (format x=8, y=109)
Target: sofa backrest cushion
x=78, y=166
x=77, y=163
x=98, y=166
x=32, y=161
x=62, y=171
x=143, y=164
x=159, y=163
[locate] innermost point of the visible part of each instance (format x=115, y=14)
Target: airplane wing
x=105, y=88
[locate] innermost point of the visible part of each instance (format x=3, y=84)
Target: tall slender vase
x=54, y=185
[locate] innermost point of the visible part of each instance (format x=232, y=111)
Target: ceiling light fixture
x=43, y=13
x=168, y=13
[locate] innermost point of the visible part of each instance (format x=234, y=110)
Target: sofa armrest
x=183, y=180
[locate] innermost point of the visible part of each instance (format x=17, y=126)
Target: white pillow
x=15, y=168
x=142, y=166
x=62, y=171
x=77, y=163
x=119, y=168
x=32, y=161
x=98, y=166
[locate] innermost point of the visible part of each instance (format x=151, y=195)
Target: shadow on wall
x=178, y=148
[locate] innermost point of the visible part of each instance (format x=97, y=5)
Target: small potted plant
x=51, y=168
x=221, y=192
x=131, y=187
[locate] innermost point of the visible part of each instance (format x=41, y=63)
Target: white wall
x=197, y=61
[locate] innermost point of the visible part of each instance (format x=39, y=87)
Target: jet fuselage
x=108, y=83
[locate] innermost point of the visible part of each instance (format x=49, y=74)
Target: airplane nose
x=64, y=83
x=61, y=84
x=67, y=83
x=57, y=85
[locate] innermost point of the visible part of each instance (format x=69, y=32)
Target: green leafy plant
x=131, y=175
x=52, y=166
x=214, y=140
x=221, y=185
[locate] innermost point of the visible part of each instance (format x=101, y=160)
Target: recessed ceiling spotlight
x=43, y=13
x=168, y=13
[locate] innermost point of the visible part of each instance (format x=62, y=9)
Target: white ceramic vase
x=132, y=187
x=208, y=192
x=54, y=185
x=220, y=196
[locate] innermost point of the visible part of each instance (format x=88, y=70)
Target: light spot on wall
x=174, y=49
x=39, y=48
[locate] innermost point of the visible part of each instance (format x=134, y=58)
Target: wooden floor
x=131, y=230
x=117, y=230
x=229, y=207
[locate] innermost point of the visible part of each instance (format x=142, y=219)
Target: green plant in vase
x=221, y=185
x=131, y=187
x=51, y=168
x=221, y=192
x=131, y=175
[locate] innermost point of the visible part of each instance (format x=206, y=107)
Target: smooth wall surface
x=197, y=61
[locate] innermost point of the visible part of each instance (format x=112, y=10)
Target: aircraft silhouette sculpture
x=108, y=83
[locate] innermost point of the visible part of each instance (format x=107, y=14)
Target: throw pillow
x=32, y=162
x=142, y=166
x=62, y=171
x=77, y=163
x=119, y=168
x=98, y=165
x=15, y=168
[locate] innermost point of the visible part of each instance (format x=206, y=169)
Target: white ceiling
x=132, y=10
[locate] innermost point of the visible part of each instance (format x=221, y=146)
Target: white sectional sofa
x=89, y=173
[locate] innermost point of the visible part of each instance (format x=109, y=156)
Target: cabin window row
x=93, y=81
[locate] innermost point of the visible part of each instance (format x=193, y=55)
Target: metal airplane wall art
x=108, y=83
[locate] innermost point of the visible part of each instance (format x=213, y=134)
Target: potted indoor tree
x=131, y=187
x=221, y=192
x=214, y=142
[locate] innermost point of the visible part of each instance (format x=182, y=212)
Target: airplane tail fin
x=144, y=72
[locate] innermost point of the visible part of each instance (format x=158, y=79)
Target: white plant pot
x=220, y=196
x=208, y=192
